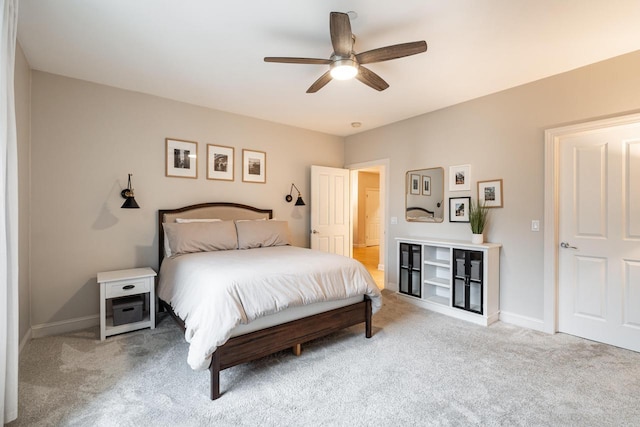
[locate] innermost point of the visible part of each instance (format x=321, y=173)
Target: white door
x=599, y=231
x=372, y=217
x=330, y=231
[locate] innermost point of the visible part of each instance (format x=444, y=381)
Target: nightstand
x=122, y=283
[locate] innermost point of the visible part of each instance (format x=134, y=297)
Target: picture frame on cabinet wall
x=490, y=193
x=181, y=158
x=460, y=178
x=220, y=162
x=459, y=209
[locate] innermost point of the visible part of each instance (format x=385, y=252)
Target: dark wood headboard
x=218, y=210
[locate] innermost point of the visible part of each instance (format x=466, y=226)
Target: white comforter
x=213, y=292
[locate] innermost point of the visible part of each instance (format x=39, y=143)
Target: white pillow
x=187, y=220
x=167, y=247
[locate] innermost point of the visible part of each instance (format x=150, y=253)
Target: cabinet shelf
x=438, y=263
x=438, y=300
x=438, y=281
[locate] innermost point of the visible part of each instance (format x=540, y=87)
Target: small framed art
x=181, y=158
x=459, y=209
x=490, y=193
x=220, y=162
x=426, y=185
x=460, y=178
x=414, y=184
x=254, y=166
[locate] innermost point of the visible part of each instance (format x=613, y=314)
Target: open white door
x=330, y=231
x=599, y=231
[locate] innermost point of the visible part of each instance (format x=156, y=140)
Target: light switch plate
x=535, y=225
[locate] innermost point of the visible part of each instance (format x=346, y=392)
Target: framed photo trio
x=181, y=158
x=254, y=166
x=220, y=162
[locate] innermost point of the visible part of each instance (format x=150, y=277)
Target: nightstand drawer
x=122, y=288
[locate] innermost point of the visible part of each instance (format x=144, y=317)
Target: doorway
x=368, y=209
x=592, y=233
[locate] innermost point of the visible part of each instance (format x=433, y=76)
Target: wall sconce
x=127, y=193
x=289, y=197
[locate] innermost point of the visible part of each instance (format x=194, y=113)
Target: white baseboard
x=392, y=286
x=24, y=341
x=57, y=328
x=522, y=321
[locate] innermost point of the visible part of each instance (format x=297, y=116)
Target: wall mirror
x=425, y=195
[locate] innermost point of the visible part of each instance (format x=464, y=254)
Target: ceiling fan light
x=344, y=69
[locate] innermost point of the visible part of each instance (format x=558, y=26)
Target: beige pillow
x=167, y=246
x=259, y=234
x=192, y=237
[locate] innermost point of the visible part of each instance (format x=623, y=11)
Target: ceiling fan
x=344, y=63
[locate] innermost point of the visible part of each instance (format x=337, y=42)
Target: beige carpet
x=420, y=368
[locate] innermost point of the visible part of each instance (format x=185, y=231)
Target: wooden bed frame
x=254, y=345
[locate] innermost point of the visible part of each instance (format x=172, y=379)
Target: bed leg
x=297, y=349
x=368, y=318
x=215, y=375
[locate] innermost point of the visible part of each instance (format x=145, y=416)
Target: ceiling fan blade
x=371, y=79
x=341, y=37
x=391, y=52
x=297, y=60
x=320, y=83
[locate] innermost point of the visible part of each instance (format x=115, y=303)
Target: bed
x=231, y=314
x=415, y=213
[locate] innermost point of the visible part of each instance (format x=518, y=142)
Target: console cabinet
x=457, y=278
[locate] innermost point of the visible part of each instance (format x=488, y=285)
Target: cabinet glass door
x=410, y=269
x=467, y=280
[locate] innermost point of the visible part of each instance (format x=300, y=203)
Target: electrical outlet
x=535, y=225
x=394, y=220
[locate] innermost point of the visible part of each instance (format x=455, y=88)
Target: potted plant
x=478, y=216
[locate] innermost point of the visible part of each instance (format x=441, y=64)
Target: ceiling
x=210, y=53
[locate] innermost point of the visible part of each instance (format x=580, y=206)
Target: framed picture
x=459, y=209
x=254, y=166
x=220, y=162
x=414, y=184
x=181, y=158
x=426, y=185
x=490, y=193
x=460, y=178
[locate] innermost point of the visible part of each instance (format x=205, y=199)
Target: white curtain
x=8, y=217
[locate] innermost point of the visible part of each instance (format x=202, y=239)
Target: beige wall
x=22, y=85
x=500, y=136
x=86, y=138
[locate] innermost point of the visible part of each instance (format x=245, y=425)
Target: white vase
x=477, y=239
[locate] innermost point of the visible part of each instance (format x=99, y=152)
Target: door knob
x=566, y=245
x=315, y=232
